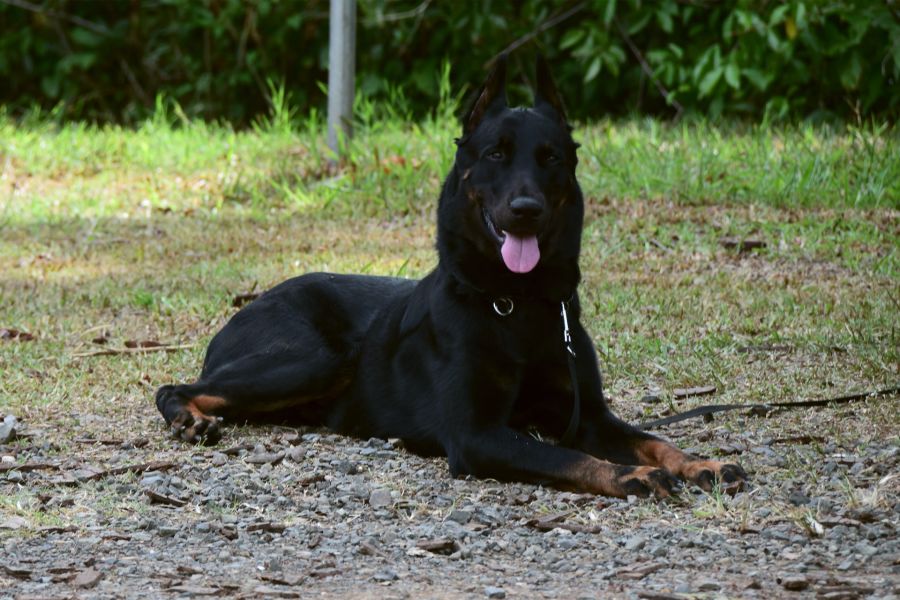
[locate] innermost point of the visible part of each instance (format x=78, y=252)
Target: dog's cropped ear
x=491, y=96
x=546, y=95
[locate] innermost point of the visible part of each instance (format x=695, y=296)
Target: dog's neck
x=553, y=282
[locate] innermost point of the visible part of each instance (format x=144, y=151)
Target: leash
x=765, y=409
x=504, y=307
x=569, y=436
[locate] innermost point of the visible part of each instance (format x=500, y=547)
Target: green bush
x=110, y=61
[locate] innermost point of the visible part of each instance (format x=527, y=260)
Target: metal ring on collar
x=503, y=306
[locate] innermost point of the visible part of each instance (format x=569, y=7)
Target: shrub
x=110, y=61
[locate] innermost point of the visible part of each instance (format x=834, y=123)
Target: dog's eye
x=553, y=158
x=496, y=155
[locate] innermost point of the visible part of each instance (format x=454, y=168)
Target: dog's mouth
x=520, y=253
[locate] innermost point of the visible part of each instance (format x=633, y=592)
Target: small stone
x=151, y=480
x=15, y=477
x=635, y=543
x=494, y=592
x=460, y=516
x=567, y=543
x=709, y=586
x=167, y=531
x=8, y=431
x=14, y=522
x=264, y=458
x=865, y=549
x=386, y=575
x=794, y=583
x=798, y=498
x=346, y=467
x=380, y=498
x=87, y=578
x=218, y=459
x=295, y=453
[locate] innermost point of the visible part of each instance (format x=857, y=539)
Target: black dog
x=462, y=361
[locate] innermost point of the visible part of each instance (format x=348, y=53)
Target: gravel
x=294, y=512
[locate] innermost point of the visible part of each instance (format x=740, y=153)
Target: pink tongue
x=520, y=254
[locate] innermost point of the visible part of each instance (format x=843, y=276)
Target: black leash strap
x=569, y=436
x=763, y=409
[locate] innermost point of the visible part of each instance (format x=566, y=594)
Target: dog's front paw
x=196, y=428
x=707, y=473
x=648, y=481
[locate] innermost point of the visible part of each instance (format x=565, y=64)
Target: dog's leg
x=507, y=455
x=604, y=435
x=246, y=387
x=191, y=414
x=609, y=437
x=651, y=450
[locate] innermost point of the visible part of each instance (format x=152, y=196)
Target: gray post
x=341, y=70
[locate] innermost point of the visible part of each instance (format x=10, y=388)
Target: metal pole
x=341, y=71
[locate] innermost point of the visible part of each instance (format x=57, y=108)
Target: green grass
x=149, y=233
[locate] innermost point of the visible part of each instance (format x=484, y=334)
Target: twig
x=551, y=22
x=59, y=15
x=555, y=521
x=135, y=84
x=573, y=527
x=111, y=351
x=25, y=467
x=400, y=16
x=156, y=465
x=157, y=498
x=648, y=71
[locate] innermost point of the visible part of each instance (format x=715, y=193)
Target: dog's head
x=511, y=208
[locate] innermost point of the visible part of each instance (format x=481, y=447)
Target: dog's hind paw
x=196, y=428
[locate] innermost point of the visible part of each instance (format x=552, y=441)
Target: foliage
x=217, y=58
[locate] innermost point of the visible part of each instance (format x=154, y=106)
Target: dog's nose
x=526, y=207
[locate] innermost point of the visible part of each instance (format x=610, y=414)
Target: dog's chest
x=530, y=334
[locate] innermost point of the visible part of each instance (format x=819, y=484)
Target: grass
x=147, y=234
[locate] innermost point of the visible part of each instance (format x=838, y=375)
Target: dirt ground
x=95, y=509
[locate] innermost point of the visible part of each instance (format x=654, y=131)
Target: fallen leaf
x=57, y=529
x=639, y=571
x=703, y=390
x=195, y=590
x=15, y=334
x=17, y=571
x=439, y=546
x=241, y=299
x=271, y=527
x=282, y=579
x=157, y=498
x=741, y=245
x=264, y=591
x=143, y=344
x=87, y=578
